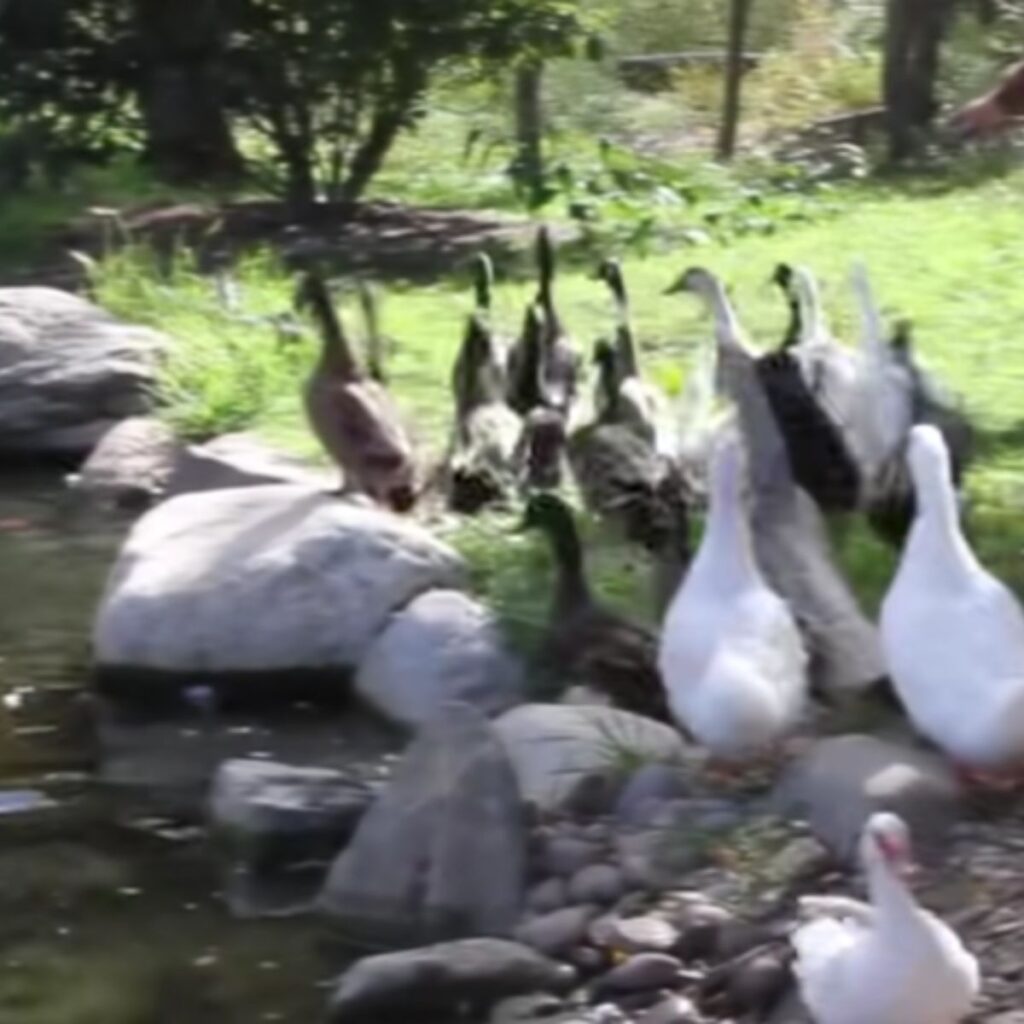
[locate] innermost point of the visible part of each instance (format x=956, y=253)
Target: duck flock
x=759, y=623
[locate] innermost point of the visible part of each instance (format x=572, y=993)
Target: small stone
x=556, y=932
x=699, y=926
x=547, y=896
x=518, y=1009
x=759, y=982
x=587, y=960
x=736, y=937
x=645, y=934
x=672, y=1009
x=599, y=883
x=796, y=859
x=565, y=855
x=647, y=787
x=642, y=971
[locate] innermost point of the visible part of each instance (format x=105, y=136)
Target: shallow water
x=111, y=905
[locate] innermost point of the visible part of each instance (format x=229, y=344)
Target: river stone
x=551, y=894
x=556, y=932
x=564, y=855
x=598, y=883
x=641, y=971
x=443, y=646
x=554, y=747
x=442, y=853
x=843, y=780
x=131, y=464
x=274, y=813
x=68, y=372
x=644, y=934
x=673, y=1009
x=242, y=460
x=647, y=789
x=261, y=578
x=441, y=978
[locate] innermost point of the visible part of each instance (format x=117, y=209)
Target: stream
x=112, y=907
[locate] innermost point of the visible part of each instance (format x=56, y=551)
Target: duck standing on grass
x=352, y=414
x=952, y=634
x=884, y=962
x=587, y=644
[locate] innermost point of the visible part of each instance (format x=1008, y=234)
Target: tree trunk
x=529, y=163
x=913, y=39
x=738, y=18
x=180, y=93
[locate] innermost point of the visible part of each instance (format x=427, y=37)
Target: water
x=111, y=907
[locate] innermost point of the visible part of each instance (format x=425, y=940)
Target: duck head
x=886, y=844
x=929, y=462
x=548, y=512
x=696, y=280
x=783, y=276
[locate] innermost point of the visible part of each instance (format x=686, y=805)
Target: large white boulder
x=68, y=371
x=262, y=579
x=556, y=748
x=444, y=646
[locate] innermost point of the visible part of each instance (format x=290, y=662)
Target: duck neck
x=727, y=549
x=571, y=590
x=889, y=894
x=813, y=316
x=727, y=325
x=936, y=541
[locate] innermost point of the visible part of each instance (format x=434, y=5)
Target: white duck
x=884, y=962
x=952, y=634
x=731, y=656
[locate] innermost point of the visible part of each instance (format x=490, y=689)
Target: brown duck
x=352, y=413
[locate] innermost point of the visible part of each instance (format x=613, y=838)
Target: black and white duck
x=585, y=643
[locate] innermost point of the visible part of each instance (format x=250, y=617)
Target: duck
x=586, y=643
x=953, y=634
x=637, y=403
x=352, y=414
x=731, y=655
x=888, y=961
x=486, y=434
x=543, y=364
x=540, y=453
x=822, y=463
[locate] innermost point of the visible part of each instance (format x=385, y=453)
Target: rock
x=564, y=855
x=643, y=934
x=443, y=646
x=242, y=460
x=759, y=983
x=131, y=464
x=442, y=853
x=648, y=787
x=842, y=780
x=273, y=813
x=587, y=960
x=68, y=372
x=261, y=578
x=700, y=925
x=598, y=883
x=548, y=895
x=556, y=932
x=672, y=1009
x=442, y=977
x=517, y=1009
x=790, y=1010
x=642, y=971
x=553, y=747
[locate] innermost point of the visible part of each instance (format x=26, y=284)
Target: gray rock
x=242, y=460
x=641, y=971
x=68, y=372
x=553, y=747
x=273, y=813
x=551, y=894
x=700, y=925
x=565, y=855
x=442, y=977
x=131, y=464
x=517, y=1009
x=648, y=787
x=842, y=780
x=672, y=1009
x=261, y=578
x=598, y=883
x=442, y=853
x=556, y=932
x=644, y=934
x=443, y=646
x=759, y=982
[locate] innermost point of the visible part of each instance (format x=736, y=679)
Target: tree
x=331, y=83
x=738, y=20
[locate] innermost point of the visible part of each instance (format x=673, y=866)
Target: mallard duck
x=731, y=655
x=821, y=461
x=586, y=643
x=540, y=453
x=543, y=364
x=953, y=635
x=889, y=961
x=352, y=414
x=637, y=403
x=486, y=433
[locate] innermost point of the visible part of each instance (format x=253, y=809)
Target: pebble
x=565, y=855
x=558, y=931
x=644, y=934
x=699, y=925
x=642, y=971
x=547, y=896
x=587, y=960
x=759, y=982
x=672, y=1009
x=648, y=788
x=516, y=1009
x=598, y=883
